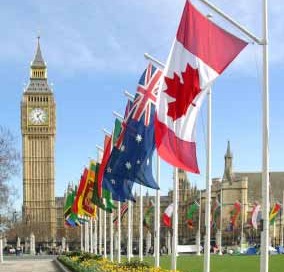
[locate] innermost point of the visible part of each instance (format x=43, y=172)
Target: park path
x=32, y=265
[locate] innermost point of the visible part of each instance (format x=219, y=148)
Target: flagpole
x=141, y=225
x=282, y=232
x=99, y=149
x=100, y=231
x=91, y=236
x=199, y=226
x=242, y=226
x=157, y=217
x=131, y=244
x=119, y=232
x=206, y=266
x=105, y=240
x=86, y=235
x=175, y=221
x=96, y=235
x=265, y=148
x=111, y=236
x=129, y=240
x=82, y=234
x=221, y=219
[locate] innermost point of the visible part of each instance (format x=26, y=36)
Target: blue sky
x=94, y=51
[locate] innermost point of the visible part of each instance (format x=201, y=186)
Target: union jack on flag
x=146, y=94
x=137, y=134
x=144, y=101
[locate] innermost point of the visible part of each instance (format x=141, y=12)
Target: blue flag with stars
x=131, y=157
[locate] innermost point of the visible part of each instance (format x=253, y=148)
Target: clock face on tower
x=38, y=116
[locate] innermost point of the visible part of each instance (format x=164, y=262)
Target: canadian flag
x=167, y=215
x=200, y=52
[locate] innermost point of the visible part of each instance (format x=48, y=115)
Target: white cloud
x=99, y=36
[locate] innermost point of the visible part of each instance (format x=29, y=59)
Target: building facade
x=38, y=126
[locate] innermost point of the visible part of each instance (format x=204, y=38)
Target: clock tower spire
x=38, y=65
x=38, y=125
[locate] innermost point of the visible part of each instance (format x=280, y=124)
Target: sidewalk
x=32, y=265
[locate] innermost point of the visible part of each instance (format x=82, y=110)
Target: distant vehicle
x=12, y=250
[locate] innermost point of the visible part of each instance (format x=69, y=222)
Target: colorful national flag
x=235, y=212
x=200, y=52
x=167, y=215
x=190, y=213
x=274, y=212
x=120, y=191
x=123, y=211
x=254, y=215
x=71, y=219
x=124, y=165
x=106, y=154
x=76, y=207
x=87, y=205
x=98, y=201
x=69, y=200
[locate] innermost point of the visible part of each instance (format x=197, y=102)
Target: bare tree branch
x=9, y=166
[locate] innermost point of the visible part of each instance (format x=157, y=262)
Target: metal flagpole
x=96, y=235
x=111, y=236
x=206, y=266
x=157, y=217
x=175, y=221
x=105, y=222
x=265, y=125
x=100, y=231
x=1, y=250
x=141, y=225
x=199, y=226
x=281, y=220
x=119, y=232
x=91, y=236
x=265, y=147
x=100, y=149
x=242, y=226
x=82, y=237
x=131, y=231
x=86, y=235
x=129, y=240
x=221, y=220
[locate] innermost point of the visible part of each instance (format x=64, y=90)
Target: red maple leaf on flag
x=183, y=92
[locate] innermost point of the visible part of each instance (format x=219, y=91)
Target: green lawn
x=225, y=263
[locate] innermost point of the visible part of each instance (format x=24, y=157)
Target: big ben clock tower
x=38, y=124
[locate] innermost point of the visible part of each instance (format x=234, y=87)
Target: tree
x=9, y=167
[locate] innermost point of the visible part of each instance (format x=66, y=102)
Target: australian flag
x=131, y=157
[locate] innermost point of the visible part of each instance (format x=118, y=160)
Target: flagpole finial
x=209, y=16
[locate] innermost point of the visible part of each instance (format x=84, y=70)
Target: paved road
x=29, y=265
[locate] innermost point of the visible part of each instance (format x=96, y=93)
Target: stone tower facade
x=38, y=125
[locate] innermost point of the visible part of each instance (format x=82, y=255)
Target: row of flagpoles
x=196, y=59
x=236, y=212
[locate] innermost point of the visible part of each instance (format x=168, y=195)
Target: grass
x=225, y=263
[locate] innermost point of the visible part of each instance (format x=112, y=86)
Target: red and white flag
x=254, y=215
x=167, y=215
x=106, y=154
x=200, y=52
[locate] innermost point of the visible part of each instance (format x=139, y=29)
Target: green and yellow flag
x=274, y=212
